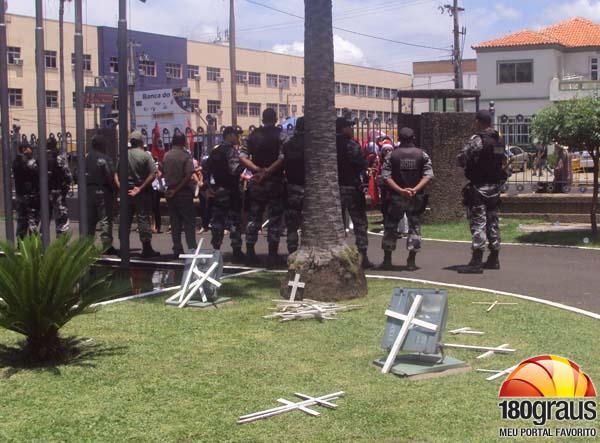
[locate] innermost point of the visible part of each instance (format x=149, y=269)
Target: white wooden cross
x=466, y=330
x=289, y=406
x=409, y=321
x=188, y=289
x=295, y=284
x=491, y=306
x=487, y=349
x=498, y=374
x=492, y=352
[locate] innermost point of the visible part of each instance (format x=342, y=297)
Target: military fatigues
x=27, y=190
x=59, y=180
x=482, y=159
x=264, y=148
x=351, y=165
x=406, y=166
x=223, y=165
x=293, y=165
x=140, y=166
x=100, y=173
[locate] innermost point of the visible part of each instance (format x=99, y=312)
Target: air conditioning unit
x=170, y=76
x=220, y=112
x=17, y=61
x=219, y=79
x=198, y=111
x=244, y=82
x=196, y=77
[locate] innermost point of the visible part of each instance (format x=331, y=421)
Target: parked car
x=519, y=159
x=586, y=160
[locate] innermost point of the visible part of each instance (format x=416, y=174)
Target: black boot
x=274, y=260
x=238, y=256
x=366, y=264
x=251, y=258
x=112, y=251
x=493, y=261
x=387, y=261
x=148, y=252
x=411, y=261
x=475, y=265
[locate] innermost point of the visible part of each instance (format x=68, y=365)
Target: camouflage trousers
x=293, y=214
x=268, y=196
x=482, y=211
x=28, y=215
x=58, y=210
x=182, y=216
x=100, y=209
x=353, y=201
x=141, y=206
x=397, y=207
x=226, y=213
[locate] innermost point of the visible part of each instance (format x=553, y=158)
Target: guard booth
x=442, y=135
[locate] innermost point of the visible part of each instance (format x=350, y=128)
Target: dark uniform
x=27, y=190
x=351, y=165
x=293, y=165
x=59, y=181
x=264, y=148
x=223, y=166
x=406, y=165
x=483, y=160
x=100, y=171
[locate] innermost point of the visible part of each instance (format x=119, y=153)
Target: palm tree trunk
x=61, y=57
x=329, y=267
x=596, y=157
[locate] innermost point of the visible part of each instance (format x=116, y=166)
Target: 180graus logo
x=548, y=389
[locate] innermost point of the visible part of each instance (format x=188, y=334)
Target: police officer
x=59, y=181
x=483, y=160
x=102, y=182
x=27, y=190
x=223, y=171
x=406, y=172
x=263, y=157
x=351, y=167
x=293, y=165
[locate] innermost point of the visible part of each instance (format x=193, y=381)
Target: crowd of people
x=243, y=184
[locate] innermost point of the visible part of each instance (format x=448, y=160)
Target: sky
x=414, y=30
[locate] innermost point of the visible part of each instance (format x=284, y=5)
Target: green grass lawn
x=509, y=229
x=167, y=374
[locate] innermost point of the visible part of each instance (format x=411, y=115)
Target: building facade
x=263, y=79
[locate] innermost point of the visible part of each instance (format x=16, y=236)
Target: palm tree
x=330, y=268
x=61, y=60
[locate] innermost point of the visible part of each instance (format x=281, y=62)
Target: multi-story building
x=263, y=79
x=526, y=71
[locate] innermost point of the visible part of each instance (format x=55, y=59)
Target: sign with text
x=170, y=108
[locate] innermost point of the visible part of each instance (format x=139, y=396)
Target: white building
x=440, y=75
x=524, y=72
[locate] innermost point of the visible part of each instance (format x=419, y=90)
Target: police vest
x=26, y=175
x=97, y=169
x=293, y=160
x=348, y=174
x=264, y=145
x=218, y=166
x=56, y=179
x=485, y=167
x=407, y=166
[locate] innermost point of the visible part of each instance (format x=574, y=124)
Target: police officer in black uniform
x=293, y=165
x=102, y=182
x=406, y=172
x=27, y=190
x=59, y=181
x=483, y=159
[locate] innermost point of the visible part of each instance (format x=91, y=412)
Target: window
x=87, y=61
x=241, y=77
x=173, y=70
x=147, y=68
x=362, y=90
x=515, y=129
x=379, y=92
x=52, y=99
x=294, y=109
x=386, y=93
x=113, y=65
x=338, y=88
x=302, y=80
x=338, y=112
x=294, y=81
x=254, y=109
x=15, y=97
x=13, y=54
x=242, y=108
x=254, y=78
x=273, y=106
x=194, y=104
x=213, y=106
x=213, y=75
x=50, y=57
x=354, y=90
x=371, y=115
x=283, y=111
x=86, y=105
x=345, y=89
x=515, y=72
x=193, y=72
x=594, y=68
x=284, y=82
x=371, y=91
x=271, y=81
x=362, y=114
x=386, y=116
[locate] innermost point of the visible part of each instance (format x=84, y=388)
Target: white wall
x=516, y=107
x=578, y=62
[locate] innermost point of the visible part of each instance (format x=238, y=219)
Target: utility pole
x=232, y=66
x=454, y=10
x=131, y=79
x=40, y=69
x=5, y=135
x=80, y=120
x=123, y=134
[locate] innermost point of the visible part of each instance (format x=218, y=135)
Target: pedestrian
x=406, y=172
x=59, y=182
x=178, y=168
x=223, y=170
x=27, y=190
x=293, y=166
x=102, y=183
x=263, y=157
x=352, y=165
x=483, y=159
x=541, y=160
x=142, y=172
